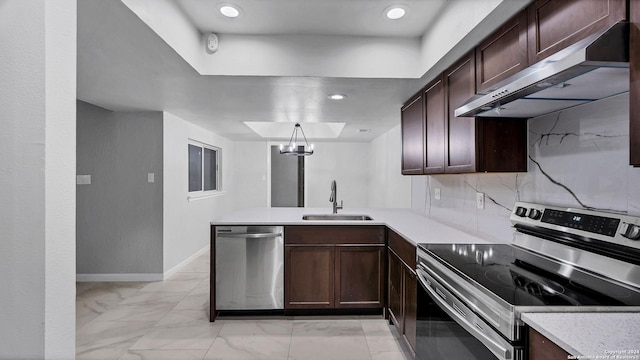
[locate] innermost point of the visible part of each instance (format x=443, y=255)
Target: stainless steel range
x=561, y=259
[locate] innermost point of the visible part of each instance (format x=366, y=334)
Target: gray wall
x=119, y=215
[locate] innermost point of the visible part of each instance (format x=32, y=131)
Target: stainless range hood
x=592, y=69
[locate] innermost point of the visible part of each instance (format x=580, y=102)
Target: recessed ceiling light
x=395, y=12
x=337, y=96
x=230, y=11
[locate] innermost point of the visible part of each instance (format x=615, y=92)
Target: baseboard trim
x=186, y=261
x=118, y=277
x=140, y=277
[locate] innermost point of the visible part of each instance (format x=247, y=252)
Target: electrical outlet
x=83, y=179
x=480, y=200
x=436, y=193
x=151, y=177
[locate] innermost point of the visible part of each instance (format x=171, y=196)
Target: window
x=204, y=168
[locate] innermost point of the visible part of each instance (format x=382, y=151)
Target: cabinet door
x=410, y=306
x=502, y=144
x=634, y=89
x=435, y=117
x=359, y=276
x=309, y=277
x=460, y=81
x=412, y=136
x=556, y=24
x=395, y=290
x=541, y=348
x=502, y=54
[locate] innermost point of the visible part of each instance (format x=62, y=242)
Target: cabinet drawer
x=333, y=235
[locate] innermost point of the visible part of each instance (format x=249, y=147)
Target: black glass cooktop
x=512, y=274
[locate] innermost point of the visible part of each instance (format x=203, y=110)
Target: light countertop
x=414, y=227
x=591, y=335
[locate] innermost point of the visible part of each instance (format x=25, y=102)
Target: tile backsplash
x=578, y=158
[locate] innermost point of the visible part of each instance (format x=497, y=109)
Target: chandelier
x=294, y=148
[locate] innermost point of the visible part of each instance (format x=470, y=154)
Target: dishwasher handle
x=248, y=235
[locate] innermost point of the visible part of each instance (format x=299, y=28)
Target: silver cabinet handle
x=249, y=235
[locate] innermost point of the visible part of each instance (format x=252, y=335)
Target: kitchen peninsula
x=403, y=230
x=323, y=251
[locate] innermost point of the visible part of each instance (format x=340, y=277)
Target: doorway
x=287, y=179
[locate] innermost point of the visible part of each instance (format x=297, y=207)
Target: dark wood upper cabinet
x=412, y=124
x=502, y=54
x=502, y=145
x=460, y=86
x=435, y=114
x=634, y=89
x=463, y=144
x=556, y=24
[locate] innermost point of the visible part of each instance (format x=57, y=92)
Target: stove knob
x=535, y=214
x=521, y=211
x=631, y=231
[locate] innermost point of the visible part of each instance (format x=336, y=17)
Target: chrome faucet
x=334, y=197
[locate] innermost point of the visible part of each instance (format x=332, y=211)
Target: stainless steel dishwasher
x=249, y=268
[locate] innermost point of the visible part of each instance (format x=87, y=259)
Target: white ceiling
x=314, y=17
x=124, y=65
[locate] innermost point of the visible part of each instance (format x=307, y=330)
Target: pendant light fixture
x=294, y=148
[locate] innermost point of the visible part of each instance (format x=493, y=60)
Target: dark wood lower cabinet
x=410, y=307
x=359, y=276
x=395, y=277
x=402, y=286
x=333, y=267
x=309, y=276
x=541, y=348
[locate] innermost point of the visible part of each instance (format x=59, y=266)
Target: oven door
x=447, y=329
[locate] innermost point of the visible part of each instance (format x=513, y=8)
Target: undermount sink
x=344, y=217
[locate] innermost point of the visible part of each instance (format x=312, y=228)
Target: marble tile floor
x=169, y=320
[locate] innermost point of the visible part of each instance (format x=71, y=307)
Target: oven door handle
x=497, y=349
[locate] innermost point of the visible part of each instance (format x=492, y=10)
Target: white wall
x=119, y=215
x=387, y=187
x=186, y=227
x=347, y=164
x=37, y=173
x=367, y=173
x=462, y=25
x=280, y=55
x=249, y=164
x=586, y=149
x=167, y=19
x=314, y=55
